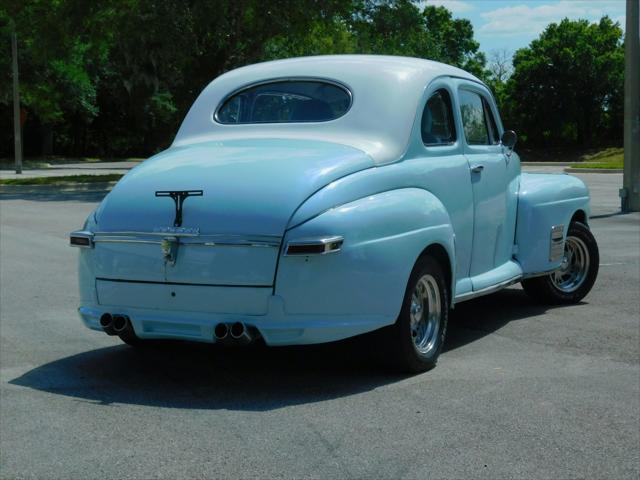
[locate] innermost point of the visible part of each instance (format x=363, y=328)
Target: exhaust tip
x=221, y=331
x=237, y=330
x=106, y=320
x=120, y=323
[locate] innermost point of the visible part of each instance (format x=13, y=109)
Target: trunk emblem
x=179, y=196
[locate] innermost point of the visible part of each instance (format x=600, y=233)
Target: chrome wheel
x=574, y=268
x=425, y=314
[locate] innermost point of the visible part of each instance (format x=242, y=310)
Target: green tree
x=115, y=77
x=400, y=28
x=61, y=56
x=566, y=87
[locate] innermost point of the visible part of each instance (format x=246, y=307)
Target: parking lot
x=522, y=391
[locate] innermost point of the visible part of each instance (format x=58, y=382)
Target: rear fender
x=384, y=234
x=546, y=201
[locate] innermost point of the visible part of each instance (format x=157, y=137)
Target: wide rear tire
x=418, y=334
x=574, y=280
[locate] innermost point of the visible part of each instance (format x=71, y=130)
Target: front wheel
x=577, y=273
x=419, y=332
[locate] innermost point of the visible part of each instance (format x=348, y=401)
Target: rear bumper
x=276, y=327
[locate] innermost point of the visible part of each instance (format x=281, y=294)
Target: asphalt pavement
x=522, y=391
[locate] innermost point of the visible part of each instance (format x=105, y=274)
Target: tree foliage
x=116, y=77
x=567, y=86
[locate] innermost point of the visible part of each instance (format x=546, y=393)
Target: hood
x=248, y=187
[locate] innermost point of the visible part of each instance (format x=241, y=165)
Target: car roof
x=386, y=92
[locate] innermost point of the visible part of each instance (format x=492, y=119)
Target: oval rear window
x=286, y=101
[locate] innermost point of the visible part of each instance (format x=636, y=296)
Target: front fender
x=384, y=234
x=545, y=200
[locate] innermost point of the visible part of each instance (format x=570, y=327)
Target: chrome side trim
x=150, y=234
x=486, y=291
x=235, y=244
x=326, y=244
x=268, y=241
x=538, y=274
x=125, y=240
x=556, y=246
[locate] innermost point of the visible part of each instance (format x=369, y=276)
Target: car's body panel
x=384, y=235
x=545, y=200
x=250, y=187
x=366, y=178
x=435, y=175
x=276, y=328
x=384, y=90
x=183, y=297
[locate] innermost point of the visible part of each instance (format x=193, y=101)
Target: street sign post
x=630, y=192
x=17, y=127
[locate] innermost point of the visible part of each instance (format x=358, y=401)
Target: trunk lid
x=231, y=233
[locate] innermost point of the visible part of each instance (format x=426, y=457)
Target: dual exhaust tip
x=117, y=324
x=114, y=324
x=237, y=331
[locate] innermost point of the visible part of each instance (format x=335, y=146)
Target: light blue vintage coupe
x=313, y=199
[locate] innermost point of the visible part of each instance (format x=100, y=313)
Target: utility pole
x=630, y=193
x=17, y=134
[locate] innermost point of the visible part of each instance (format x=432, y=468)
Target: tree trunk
x=47, y=140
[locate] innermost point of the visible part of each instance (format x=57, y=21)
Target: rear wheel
x=577, y=273
x=419, y=332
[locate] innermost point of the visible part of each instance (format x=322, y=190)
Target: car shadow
x=202, y=376
x=469, y=321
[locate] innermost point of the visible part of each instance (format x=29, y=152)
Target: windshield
x=286, y=101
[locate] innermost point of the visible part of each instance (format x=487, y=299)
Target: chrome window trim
x=280, y=80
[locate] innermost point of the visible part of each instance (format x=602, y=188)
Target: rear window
x=288, y=101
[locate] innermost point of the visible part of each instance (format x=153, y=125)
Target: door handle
x=477, y=168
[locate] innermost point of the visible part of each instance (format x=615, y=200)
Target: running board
x=486, y=291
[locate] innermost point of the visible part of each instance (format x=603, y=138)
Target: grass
x=600, y=166
x=112, y=177
x=602, y=158
x=607, y=158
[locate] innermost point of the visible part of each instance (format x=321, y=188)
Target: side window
x=437, y=120
x=477, y=119
x=494, y=137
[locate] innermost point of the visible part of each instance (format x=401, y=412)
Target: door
x=494, y=180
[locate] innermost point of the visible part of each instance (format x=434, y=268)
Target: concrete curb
x=547, y=164
x=67, y=187
x=593, y=170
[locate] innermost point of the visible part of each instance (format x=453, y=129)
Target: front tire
x=419, y=332
x=575, y=278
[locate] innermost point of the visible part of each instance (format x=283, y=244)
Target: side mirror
x=509, y=139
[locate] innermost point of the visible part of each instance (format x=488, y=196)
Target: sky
x=501, y=24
